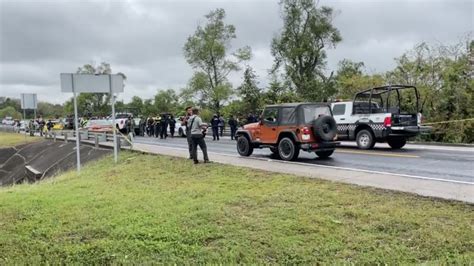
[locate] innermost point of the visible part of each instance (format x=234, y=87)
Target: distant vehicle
x=380, y=115
x=288, y=128
x=99, y=126
x=8, y=121
x=121, y=121
x=24, y=126
x=180, y=127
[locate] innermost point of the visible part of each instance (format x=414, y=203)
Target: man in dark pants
x=197, y=135
x=189, y=113
x=157, y=127
x=172, y=123
x=215, y=127
x=164, y=126
x=221, y=125
x=233, y=127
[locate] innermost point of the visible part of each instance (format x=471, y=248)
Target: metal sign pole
x=78, y=153
x=113, y=119
x=24, y=118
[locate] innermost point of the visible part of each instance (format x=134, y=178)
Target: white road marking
x=333, y=167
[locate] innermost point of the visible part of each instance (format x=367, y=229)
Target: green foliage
x=166, y=101
x=10, y=111
x=443, y=75
x=251, y=94
x=350, y=79
x=207, y=52
x=300, y=47
x=279, y=92
x=151, y=209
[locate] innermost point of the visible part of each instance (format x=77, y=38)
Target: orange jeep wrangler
x=288, y=128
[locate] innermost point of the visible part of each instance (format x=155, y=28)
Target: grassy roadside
x=162, y=209
x=13, y=139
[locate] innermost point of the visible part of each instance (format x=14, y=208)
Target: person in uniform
x=164, y=126
x=215, y=127
x=172, y=123
x=233, y=124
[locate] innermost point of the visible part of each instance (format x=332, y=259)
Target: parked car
x=8, y=121
x=99, y=126
x=288, y=128
x=380, y=115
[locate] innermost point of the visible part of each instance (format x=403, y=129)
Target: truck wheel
x=287, y=149
x=397, y=143
x=180, y=133
x=365, y=139
x=324, y=154
x=244, y=148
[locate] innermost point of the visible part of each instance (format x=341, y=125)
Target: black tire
x=287, y=149
x=365, y=139
x=244, y=147
x=274, y=150
x=397, y=143
x=181, y=133
x=325, y=127
x=324, y=154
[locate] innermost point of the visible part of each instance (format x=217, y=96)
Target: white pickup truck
x=377, y=115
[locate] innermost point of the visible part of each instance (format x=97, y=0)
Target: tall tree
x=136, y=105
x=350, y=79
x=250, y=92
x=207, y=51
x=166, y=101
x=301, y=47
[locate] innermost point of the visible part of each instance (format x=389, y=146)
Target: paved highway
x=423, y=161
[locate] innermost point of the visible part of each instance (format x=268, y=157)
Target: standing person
x=32, y=128
x=49, y=125
x=189, y=113
x=198, y=129
x=164, y=126
x=215, y=127
x=221, y=125
x=150, y=127
x=157, y=126
x=172, y=125
x=233, y=124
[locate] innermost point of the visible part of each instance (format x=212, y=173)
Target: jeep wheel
x=287, y=149
x=365, y=139
x=244, y=148
x=396, y=143
x=324, y=154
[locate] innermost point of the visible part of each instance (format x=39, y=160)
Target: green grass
x=13, y=139
x=163, y=209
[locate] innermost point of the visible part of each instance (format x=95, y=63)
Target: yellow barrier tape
x=125, y=137
x=449, y=121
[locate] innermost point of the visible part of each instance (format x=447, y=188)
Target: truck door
x=339, y=111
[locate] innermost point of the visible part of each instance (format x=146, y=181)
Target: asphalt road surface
x=425, y=161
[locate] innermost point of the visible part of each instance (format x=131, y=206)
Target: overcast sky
x=144, y=39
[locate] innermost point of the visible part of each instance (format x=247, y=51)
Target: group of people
x=158, y=126
x=218, y=123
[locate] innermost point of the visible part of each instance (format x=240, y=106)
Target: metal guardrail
x=85, y=135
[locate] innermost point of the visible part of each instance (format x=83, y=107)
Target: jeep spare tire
x=325, y=127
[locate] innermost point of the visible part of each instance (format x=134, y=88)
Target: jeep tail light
x=306, y=131
x=387, y=122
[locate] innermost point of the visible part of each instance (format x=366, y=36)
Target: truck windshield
x=312, y=112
